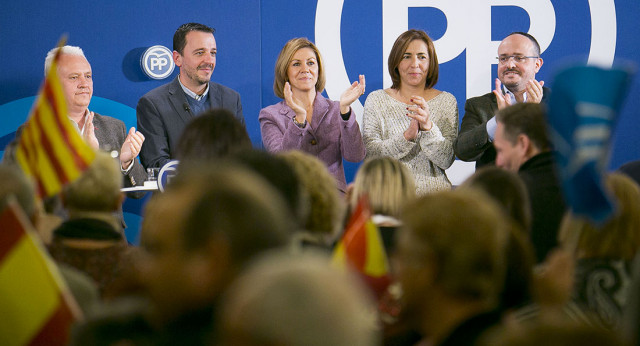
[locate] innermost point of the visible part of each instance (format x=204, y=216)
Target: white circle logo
x=157, y=62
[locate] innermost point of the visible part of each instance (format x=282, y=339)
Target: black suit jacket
x=546, y=197
x=162, y=115
x=473, y=142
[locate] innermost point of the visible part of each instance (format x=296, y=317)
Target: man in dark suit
x=99, y=131
x=522, y=145
x=518, y=62
x=164, y=111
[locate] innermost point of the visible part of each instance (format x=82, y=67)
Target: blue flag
x=583, y=110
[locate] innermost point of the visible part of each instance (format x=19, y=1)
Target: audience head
x=285, y=60
x=518, y=60
x=15, y=183
x=75, y=75
x=616, y=238
x=325, y=205
x=297, y=300
x=398, y=51
x=558, y=333
x=507, y=189
x=388, y=184
x=212, y=135
x=280, y=174
x=198, y=234
x=521, y=134
x=452, y=244
x=97, y=189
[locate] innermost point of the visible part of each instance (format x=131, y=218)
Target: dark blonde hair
x=618, y=237
x=397, y=52
x=284, y=59
x=387, y=182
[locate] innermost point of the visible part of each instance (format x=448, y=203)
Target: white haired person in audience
x=297, y=301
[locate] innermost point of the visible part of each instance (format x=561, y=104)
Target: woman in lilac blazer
x=307, y=121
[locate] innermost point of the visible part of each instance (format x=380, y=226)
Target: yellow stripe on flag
x=50, y=149
x=28, y=293
x=376, y=264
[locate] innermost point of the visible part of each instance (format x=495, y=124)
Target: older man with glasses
x=518, y=62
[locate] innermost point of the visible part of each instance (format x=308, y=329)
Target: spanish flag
x=362, y=248
x=50, y=149
x=35, y=306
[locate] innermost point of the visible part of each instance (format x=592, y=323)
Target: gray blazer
x=164, y=112
x=473, y=142
x=111, y=133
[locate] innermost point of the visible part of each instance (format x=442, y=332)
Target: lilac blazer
x=328, y=137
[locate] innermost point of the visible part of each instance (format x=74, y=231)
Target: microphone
x=186, y=107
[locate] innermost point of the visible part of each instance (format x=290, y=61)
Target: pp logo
x=468, y=32
x=157, y=62
x=167, y=172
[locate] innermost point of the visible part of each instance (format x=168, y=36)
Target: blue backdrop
x=353, y=35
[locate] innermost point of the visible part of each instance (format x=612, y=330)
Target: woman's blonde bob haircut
x=388, y=183
x=284, y=60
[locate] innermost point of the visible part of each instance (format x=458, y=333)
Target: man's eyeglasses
x=517, y=58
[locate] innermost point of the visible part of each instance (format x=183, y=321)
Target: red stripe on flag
x=12, y=231
x=57, y=329
x=46, y=145
x=31, y=155
x=77, y=159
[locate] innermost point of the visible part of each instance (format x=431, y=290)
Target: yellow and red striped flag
x=362, y=248
x=50, y=149
x=35, y=305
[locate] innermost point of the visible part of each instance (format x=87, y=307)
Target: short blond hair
x=387, y=182
x=619, y=236
x=284, y=60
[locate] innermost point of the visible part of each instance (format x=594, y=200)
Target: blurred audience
x=196, y=237
x=507, y=189
x=450, y=263
x=389, y=186
x=277, y=171
x=91, y=239
x=15, y=184
x=551, y=334
x=632, y=169
x=297, y=301
x=212, y=135
x=326, y=208
x=605, y=252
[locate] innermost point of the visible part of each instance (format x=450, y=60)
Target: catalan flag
x=361, y=247
x=50, y=149
x=35, y=306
